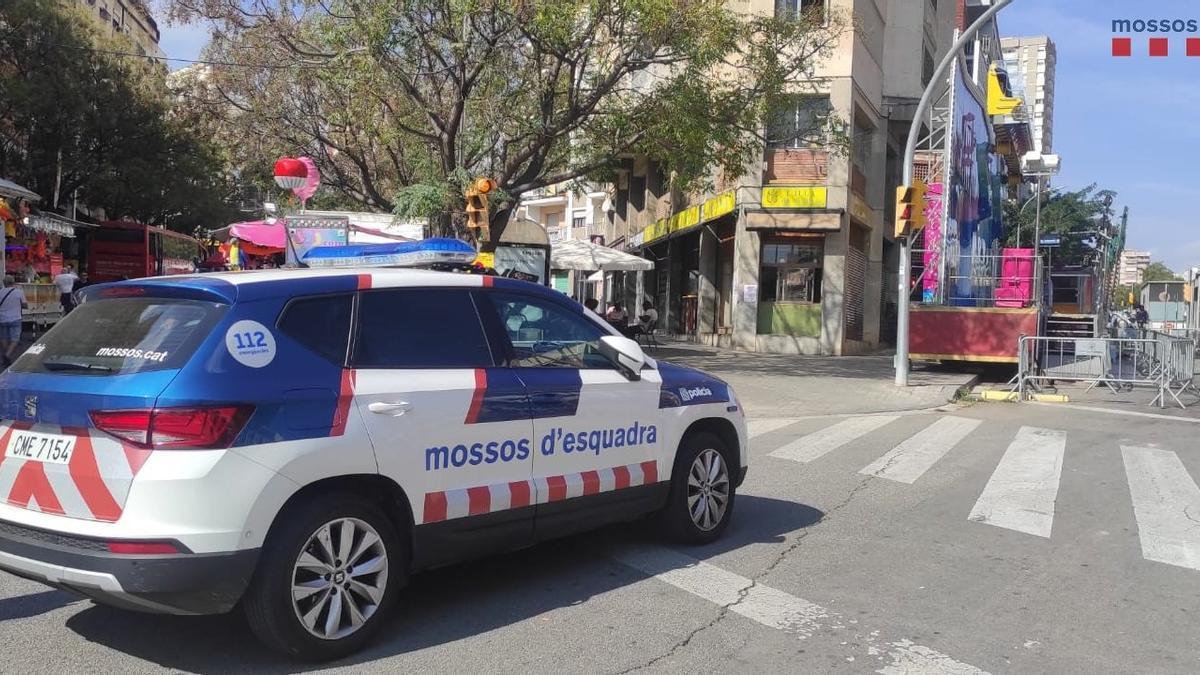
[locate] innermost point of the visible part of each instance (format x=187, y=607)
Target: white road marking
x=761, y=426
x=819, y=443
x=1116, y=411
x=1021, y=492
x=1165, y=503
x=776, y=609
x=908, y=461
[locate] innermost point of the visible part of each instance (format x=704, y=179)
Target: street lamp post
x=910, y=152
x=1039, y=166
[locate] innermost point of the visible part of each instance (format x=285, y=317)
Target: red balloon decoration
x=290, y=173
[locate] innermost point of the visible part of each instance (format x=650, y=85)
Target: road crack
x=744, y=592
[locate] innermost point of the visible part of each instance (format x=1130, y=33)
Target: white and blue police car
x=298, y=442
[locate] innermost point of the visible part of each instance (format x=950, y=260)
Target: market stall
x=36, y=247
x=250, y=245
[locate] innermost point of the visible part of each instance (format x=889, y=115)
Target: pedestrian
x=29, y=274
x=649, y=317
x=12, y=301
x=619, y=319
x=65, y=280
x=1141, y=316
x=591, y=303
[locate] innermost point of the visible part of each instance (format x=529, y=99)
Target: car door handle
x=394, y=409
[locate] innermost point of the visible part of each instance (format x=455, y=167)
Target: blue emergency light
x=438, y=251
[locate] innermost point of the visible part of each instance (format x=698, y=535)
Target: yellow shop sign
x=802, y=197
x=685, y=219
x=718, y=206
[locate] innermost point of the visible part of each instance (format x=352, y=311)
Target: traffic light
x=477, y=207
x=910, y=208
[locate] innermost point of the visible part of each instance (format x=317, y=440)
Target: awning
x=576, y=254
x=819, y=221
x=51, y=223
x=258, y=232
x=11, y=189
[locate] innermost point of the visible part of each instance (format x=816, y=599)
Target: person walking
x=12, y=301
x=65, y=280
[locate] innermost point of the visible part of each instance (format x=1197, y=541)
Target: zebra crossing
x=1022, y=490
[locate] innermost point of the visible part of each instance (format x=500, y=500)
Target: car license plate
x=52, y=448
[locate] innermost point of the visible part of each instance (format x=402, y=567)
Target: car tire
x=281, y=605
x=701, y=500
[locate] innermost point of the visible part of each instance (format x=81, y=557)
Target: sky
x=1128, y=124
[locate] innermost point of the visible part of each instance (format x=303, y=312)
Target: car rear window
x=120, y=336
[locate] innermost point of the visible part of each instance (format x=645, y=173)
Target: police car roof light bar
x=437, y=251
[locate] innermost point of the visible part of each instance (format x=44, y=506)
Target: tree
x=1125, y=296
x=1075, y=218
x=1157, y=271
x=78, y=118
x=402, y=103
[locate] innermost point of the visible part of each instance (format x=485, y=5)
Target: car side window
x=545, y=334
x=320, y=323
x=419, y=328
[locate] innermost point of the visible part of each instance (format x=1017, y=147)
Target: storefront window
x=791, y=272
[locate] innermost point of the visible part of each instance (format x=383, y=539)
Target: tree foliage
x=79, y=122
x=1157, y=271
x=401, y=102
x=1076, y=218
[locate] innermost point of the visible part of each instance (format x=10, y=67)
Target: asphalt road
x=1004, y=538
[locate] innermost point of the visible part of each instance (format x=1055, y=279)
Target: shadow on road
x=440, y=606
x=25, y=606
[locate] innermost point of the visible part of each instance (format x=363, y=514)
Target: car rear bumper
x=185, y=583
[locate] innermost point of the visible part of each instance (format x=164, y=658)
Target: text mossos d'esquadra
x=557, y=439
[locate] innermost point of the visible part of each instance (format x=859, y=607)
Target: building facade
x=1031, y=63
x=130, y=18
x=1132, y=267
x=797, y=255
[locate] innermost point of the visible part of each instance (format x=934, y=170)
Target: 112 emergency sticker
x=250, y=343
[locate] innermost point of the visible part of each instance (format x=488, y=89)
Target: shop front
x=692, y=282
x=37, y=248
x=799, y=265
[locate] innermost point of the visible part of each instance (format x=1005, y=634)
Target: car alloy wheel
x=339, y=578
x=708, y=489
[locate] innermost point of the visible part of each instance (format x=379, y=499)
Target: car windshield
x=122, y=336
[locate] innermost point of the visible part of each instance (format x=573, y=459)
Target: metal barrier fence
x=1157, y=361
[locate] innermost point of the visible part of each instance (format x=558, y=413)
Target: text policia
x=491, y=452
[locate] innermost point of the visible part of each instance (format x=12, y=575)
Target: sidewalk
x=787, y=385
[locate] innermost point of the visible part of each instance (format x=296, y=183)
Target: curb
x=1012, y=396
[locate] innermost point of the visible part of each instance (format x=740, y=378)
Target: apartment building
x=1031, y=63
x=1132, y=267
x=130, y=18
x=797, y=255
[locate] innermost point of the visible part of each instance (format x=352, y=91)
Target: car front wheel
x=702, y=494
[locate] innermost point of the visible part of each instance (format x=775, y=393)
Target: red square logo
x=1158, y=46
x=1193, y=46
x=1122, y=46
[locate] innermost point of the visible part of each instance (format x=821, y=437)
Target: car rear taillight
x=206, y=427
x=143, y=547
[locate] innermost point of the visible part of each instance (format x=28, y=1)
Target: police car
x=298, y=442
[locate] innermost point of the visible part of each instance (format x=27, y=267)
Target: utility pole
x=910, y=151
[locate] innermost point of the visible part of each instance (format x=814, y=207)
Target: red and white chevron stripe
x=93, y=486
x=474, y=501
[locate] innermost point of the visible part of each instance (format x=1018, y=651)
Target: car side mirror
x=625, y=354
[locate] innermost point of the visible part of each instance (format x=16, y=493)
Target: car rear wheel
x=702, y=494
x=328, y=576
